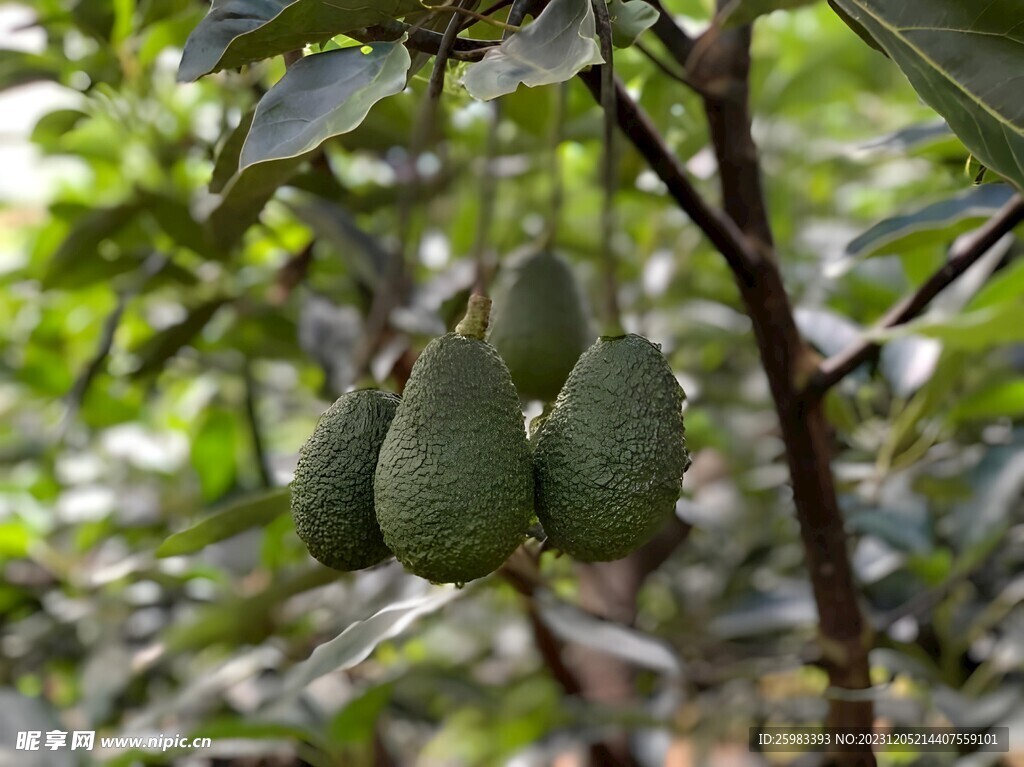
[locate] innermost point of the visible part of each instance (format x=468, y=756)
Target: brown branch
x=844, y=632
x=838, y=366
x=720, y=62
x=609, y=263
x=423, y=40
x=429, y=117
x=672, y=36
x=291, y=274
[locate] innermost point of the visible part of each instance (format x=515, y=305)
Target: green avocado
x=609, y=459
x=540, y=325
x=454, y=483
x=332, y=492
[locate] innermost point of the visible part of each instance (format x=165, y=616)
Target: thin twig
x=613, y=318
x=838, y=366
x=459, y=10
x=423, y=40
x=152, y=266
x=429, y=117
x=488, y=199
x=666, y=69
x=672, y=36
x=251, y=394
x=554, y=213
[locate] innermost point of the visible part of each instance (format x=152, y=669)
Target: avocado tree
x=810, y=206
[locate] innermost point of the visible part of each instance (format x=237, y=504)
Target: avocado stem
x=478, y=314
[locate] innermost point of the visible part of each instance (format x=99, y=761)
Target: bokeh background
x=151, y=374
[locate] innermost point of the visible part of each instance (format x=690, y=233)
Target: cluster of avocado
x=445, y=478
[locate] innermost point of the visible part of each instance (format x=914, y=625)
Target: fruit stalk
x=478, y=315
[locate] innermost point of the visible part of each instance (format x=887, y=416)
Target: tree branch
x=844, y=633
x=423, y=40
x=838, y=366
x=672, y=36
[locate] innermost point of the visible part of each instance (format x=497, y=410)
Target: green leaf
x=356, y=721
x=176, y=220
x=964, y=60
x=15, y=538
x=237, y=32
x=630, y=19
x=1006, y=285
x=20, y=68
x=939, y=222
x=233, y=518
x=971, y=331
x=739, y=12
x=213, y=452
x=248, y=729
x=905, y=531
x=913, y=138
x=1003, y=400
x=631, y=645
x=364, y=255
x=354, y=644
x=80, y=247
x=49, y=132
x=322, y=96
x=557, y=45
x=226, y=165
x=244, y=198
x=159, y=348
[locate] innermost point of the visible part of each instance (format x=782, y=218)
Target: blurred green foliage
x=167, y=343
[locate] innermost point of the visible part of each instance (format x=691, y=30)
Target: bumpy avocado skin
x=454, y=483
x=540, y=325
x=332, y=492
x=610, y=458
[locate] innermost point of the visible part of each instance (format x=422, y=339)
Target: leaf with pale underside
x=552, y=49
x=237, y=32
x=322, y=96
x=630, y=19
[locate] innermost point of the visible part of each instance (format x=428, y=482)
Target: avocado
x=454, y=483
x=332, y=492
x=609, y=459
x=540, y=325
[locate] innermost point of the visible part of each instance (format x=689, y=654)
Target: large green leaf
x=321, y=96
x=159, y=348
x=937, y=222
x=236, y=517
x=244, y=198
x=80, y=248
x=964, y=59
x=1004, y=399
x=552, y=49
x=361, y=252
x=226, y=165
x=177, y=221
x=630, y=19
x=970, y=331
x=214, y=451
x=236, y=32
x=354, y=644
x=738, y=12
x=19, y=68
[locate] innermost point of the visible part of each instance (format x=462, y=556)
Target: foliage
x=202, y=279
